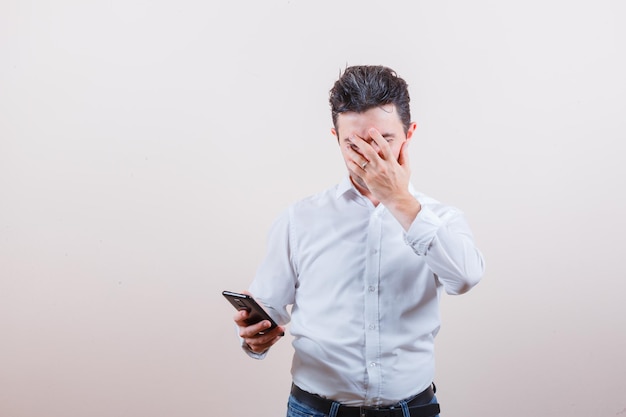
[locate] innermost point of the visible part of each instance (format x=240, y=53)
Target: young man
x=362, y=265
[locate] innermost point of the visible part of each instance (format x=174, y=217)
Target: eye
x=349, y=143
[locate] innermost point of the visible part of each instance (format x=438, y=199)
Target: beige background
x=145, y=148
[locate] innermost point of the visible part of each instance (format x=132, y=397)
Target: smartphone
x=245, y=302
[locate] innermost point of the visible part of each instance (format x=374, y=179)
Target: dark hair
x=364, y=87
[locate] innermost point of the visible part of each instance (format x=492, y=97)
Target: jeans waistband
x=418, y=406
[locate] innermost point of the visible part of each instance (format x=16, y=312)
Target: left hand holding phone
x=259, y=337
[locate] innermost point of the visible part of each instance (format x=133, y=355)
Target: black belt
x=418, y=405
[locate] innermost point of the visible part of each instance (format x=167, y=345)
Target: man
x=362, y=265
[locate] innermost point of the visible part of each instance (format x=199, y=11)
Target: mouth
x=358, y=181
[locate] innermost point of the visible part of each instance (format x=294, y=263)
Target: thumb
x=403, y=158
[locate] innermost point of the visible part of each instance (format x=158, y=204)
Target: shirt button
x=371, y=288
x=372, y=326
x=372, y=364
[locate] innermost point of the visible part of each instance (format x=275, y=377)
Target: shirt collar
x=344, y=186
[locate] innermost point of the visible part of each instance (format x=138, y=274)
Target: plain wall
x=146, y=147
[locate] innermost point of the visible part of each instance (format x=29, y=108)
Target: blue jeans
x=296, y=409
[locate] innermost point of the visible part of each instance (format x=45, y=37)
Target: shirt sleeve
x=442, y=235
x=274, y=283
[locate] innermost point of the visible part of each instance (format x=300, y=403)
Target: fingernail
x=282, y=334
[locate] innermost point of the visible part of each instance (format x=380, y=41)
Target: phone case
x=245, y=302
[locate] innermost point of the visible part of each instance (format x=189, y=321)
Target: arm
x=443, y=237
x=274, y=288
x=439, y=233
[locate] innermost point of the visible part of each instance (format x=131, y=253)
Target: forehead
x=382, y=118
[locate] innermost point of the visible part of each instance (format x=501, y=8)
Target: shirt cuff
x=422, y=231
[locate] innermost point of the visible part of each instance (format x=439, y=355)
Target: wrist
x=405, y=209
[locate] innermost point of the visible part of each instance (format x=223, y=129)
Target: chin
x=359, y=183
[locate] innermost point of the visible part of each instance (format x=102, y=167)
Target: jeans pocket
x=296, y=409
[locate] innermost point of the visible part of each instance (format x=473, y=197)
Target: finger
x=365, y=149
x=357, y=159
x=254, y=330
x=382, y=143
x=358, y=170
x=278, y=331
x=260, y=346
x=262, y=342
x=240, y=318
x=355, y=169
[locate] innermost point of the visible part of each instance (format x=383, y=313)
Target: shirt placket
x=372, y=308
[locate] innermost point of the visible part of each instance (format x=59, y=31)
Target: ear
x=411, y=130
x=333, y=131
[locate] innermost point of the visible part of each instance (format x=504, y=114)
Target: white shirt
x=364, y=293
